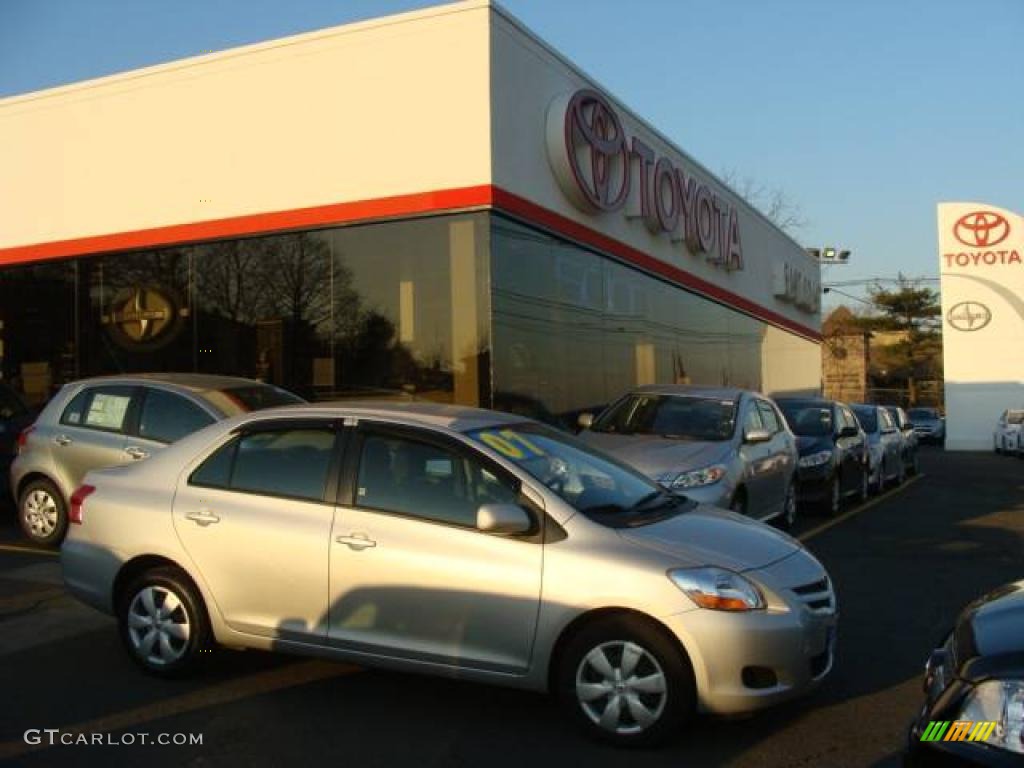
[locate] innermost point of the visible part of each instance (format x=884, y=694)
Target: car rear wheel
x=42, y=513
x=623, y=681
x=163, y=623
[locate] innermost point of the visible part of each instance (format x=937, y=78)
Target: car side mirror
x=756, y=436
x=503, y=518
x=848, y=432
x=585, y=420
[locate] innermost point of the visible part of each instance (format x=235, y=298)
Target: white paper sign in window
x=107, y=411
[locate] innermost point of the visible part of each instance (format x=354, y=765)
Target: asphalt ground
x=903, y=565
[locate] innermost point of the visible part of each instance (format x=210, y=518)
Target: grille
x=817, y=596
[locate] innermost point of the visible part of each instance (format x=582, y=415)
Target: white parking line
x=857, y=510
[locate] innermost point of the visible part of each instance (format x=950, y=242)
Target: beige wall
x=388, y=107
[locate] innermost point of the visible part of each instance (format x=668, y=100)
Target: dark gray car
x=723, y=446
x=113, y=420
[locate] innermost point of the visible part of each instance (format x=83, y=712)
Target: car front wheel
x=624, y=681
x=163, y=623
x=42, y=513
x=788, y=518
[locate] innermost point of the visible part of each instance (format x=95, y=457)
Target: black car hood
x=807, y=444
x=992, y=625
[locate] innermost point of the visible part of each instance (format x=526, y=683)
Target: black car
x=974, y=688
x=833, y=451
x=14, y=417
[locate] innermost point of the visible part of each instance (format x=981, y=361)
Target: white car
x=1007, y=437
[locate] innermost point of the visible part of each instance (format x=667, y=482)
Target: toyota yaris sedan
x=458, y=542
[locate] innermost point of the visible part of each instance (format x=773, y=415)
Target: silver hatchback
x=112, y=420
x=457, y=542
x=723, y=446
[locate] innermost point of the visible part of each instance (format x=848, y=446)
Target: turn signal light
x=77, y=502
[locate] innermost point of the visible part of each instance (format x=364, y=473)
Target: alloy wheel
x=789, y=510
x=158, y=626
x=39, y=511
x=621, y=687
x=835, y=497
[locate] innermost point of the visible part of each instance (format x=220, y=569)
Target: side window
x=293, y=463
x=768, y=417
x=167, y=417
x=753, y=418
x=103, y=408
x=849, y=420
x=423, y=480
x=886, y=420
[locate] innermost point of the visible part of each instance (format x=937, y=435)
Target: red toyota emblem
x=597, y=149
x=981, y=228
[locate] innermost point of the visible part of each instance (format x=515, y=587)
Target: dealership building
x=435, y=205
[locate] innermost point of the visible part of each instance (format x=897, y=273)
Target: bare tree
x=774, y=202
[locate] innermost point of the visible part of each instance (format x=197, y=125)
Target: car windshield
x=868, y=418
x=251, y=397
x=679, y=416
x=922, y=413
x=1015, y=417
x=808, y=420
x=599, y=486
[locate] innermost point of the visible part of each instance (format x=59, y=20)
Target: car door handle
x=203, y=518
x=63, y=440
x=356, y=541
x=136, y=453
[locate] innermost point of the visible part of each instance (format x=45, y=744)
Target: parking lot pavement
x=903, y=567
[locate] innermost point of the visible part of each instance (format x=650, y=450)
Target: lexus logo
x=981, y=228
x=969, y=316
x=596, y=150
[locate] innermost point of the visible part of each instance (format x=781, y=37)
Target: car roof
x=460, y=418
x=812, y=401
x=197, y=382
x=718, y=393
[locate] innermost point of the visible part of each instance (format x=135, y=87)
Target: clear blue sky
x=865, y=112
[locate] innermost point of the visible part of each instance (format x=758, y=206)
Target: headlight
x=694, y=478
x=1001, y=702
x=718, y=589
x=816, y=459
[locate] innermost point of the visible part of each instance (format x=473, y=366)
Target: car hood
x=993, y=624
x=807, y=445
x=655, y=455
x=708, y=535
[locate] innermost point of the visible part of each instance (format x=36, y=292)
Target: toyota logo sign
x=981, y=228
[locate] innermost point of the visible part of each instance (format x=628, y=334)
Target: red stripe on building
x=448, y=200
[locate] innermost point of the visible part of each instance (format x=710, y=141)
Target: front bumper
x=717, y=494
x=747, y=661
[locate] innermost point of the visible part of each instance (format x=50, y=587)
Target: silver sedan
x=457, y=542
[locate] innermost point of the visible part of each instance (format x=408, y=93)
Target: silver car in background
x=112, y=420
x=723, y=446
x=885, y=446
x=457, y=542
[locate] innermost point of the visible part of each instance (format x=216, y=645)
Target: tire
x=880, y=482
x=739, y=502
x=901, y=474
x=787, y=520
x=915, y=466
x=173, y=652
x=865, y=486
x=593, y=682
x=834, y=503
x=43, y=513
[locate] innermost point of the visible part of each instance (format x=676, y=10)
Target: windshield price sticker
x=510, y=444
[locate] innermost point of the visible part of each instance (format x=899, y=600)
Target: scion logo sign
x=144, y=318
x=969, y=316
x=601, y=169
x=981, y=228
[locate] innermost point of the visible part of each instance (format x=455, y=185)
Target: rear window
x=252, y=397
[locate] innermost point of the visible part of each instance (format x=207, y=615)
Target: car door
x=255, y=516
x=780, y=449
x=164, y=417
x=411, y=577
x=91, y=431
x=757, y=462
